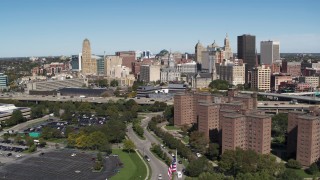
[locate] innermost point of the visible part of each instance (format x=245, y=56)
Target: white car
x=73, y=154
x=179, y=174
x=160, y=176
x=198, y=155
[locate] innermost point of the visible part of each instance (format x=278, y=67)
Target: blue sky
x=58, y=27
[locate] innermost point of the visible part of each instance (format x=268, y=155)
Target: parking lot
x=59, y=165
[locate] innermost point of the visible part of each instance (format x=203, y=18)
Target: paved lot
x=59, y=165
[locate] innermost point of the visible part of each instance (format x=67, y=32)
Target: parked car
x=147, y=158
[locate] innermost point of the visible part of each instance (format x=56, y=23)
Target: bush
x=294, y=164
x=32, y=148
x=313, y=169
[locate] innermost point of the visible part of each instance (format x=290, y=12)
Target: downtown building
x=269, y=52
x=232, y=122
x=260, y=78
x=247, y=52
x=304, y=136
x=233, y=72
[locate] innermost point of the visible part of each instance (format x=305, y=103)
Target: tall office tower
x=89, y=65
x=261, y=77
x=227, y=48
x=247, y=52
x=199, y=48
x=269, y=51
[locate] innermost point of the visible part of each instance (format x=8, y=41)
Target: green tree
x=99, y=156
x=294, y=164
x=97, y=139
x=17, y=116
x=128, y=145
x=196, y=167
x=279, y=125
x=289, y=174
x=29, y=141
x=313, y=169
x=213, y=151
x=198, y=141
x=219, y=84
x=114, y=83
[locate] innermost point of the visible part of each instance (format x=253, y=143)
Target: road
x=26, y=97
x=157, y=166
x=21, y=126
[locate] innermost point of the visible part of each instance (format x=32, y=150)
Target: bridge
x=287, y=96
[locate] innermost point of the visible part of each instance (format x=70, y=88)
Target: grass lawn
x=185, y=139
x=134, y=168
x=303, y=174
x=171, y=128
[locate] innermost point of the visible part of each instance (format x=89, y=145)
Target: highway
x=26, y=97
x=157, y=166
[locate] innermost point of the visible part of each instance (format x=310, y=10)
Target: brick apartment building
x=303, y=136
x=232, y=122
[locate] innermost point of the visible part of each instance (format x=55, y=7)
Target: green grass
x=171, y=128
x=133, y=166
x=303, y=174
x=185, y=139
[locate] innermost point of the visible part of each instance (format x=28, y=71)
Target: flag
x=172, y=167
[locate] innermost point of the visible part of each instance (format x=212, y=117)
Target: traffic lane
x=156, y=141
x=157, y=166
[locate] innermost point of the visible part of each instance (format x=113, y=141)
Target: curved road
x=157, y=166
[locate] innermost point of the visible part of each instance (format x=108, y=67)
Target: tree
x=99, y=156
x=128, y=145
x=114, y=83
x=294, y=164
x=289, y=174
x=96, y=140
x=313, y=169
x=198, y=141
x=29, y=141
x=248, y=161
x=213, y=151
x=17, y=116
x=196, y=167
x=219, y=84
x=279, y=124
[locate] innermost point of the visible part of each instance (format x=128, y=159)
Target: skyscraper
x=89, y=65
x=246, y=51
x=269, y=51
x=227, y=49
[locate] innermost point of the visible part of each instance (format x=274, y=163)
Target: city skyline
x=51, y=28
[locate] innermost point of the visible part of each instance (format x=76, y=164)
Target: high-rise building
x=232, y=72
x=110, y=62
x=247, y=52
x=208, y=122
x=76, y=62
x=3, y=81
x=227, y=48
x=150, y=73
x=198, y=51
x=89, y=65
x=251, y=131
x=269, y=51
x=260, y=78
x=183, y=109
x=303, y=136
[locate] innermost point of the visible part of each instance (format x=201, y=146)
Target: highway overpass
x=306, y=99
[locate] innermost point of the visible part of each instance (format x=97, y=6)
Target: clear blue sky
x=58, y=27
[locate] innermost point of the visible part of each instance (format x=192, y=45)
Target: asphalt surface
x=23, y=125
x=157, y=166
